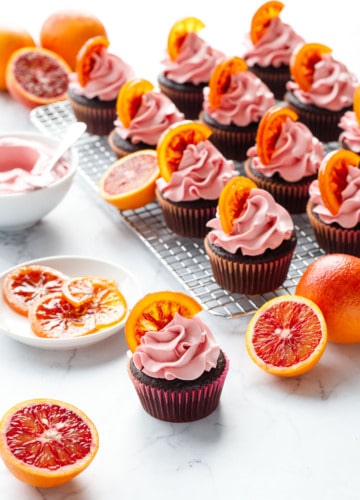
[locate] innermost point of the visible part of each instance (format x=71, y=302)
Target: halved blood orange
x=46, y=442
x=221, y=77
x=129, y=99
x=232, y=200
x=269, y=130
x=262, y=18
x=154, y=311
x=173, y=142
x=129, y=183
x=356, y=104
x=332, y=176
x=86, y=56
x=287, y=335
x=303, y=61
x=178, y=33
x=25, y=284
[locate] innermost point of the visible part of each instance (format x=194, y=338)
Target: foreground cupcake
x=175, y=364
x=350, y=126
x=251, y=241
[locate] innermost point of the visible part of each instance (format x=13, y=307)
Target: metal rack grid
x=184, y=257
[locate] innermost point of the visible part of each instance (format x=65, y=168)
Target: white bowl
x=21, y=210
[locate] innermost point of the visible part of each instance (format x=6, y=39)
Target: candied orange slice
x=262, y=18
x=332, y=176
x=178, y=33
x=356, y=104
x=232, y=200
x=303, y=61
x=86, y=55
x=154, y=311
x=221, y=77
x=269, y=130
x=129, y=99
x=82, y=289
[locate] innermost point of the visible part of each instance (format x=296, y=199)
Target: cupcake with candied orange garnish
x=143, y=114
x=94, y=86
x=334, y=205
x=233, y=105
x=350, y=125
x=251, y=240
x=321, y=89
x=285, y=158
x=192, y=174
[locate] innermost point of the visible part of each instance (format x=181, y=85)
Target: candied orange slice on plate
x=262, y=18
x=303, y=61
x=178, y=33
x=232, y=200
x=129, y=99
x=85, y=57
x=221, y=77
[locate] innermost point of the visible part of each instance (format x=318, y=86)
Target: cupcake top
x=184, y=349
x=350, y=137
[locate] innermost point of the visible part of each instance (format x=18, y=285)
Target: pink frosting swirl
x=351, y=131
x=333, y=86
x=297, y=154
x=202, y=174
x=195, y=62
x=108, y=75
x=263, y=224
x=245, y=101
x=155, y=114
x=183, y=350
x=348, y=215
x=274, y=48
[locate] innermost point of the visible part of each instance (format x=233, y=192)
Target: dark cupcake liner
x=99, y=120
x=122, y=147
x=188, y=98
x=274, y=78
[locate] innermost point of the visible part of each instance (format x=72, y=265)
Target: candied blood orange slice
x=303, y=61
x=129, y=99
x=262, y=18
x=269, y=130
x=154, y=311
x=356, y=104
x=173, y=142
x=221, y=78
x=332, y=176
x=82, y=289
x=232, y=200
x=178, y=33
x=86, y=55
x=108, y=304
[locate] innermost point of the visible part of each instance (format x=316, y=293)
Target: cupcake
x=143, y=114
x=285, y=158
x=93, y=88
x=321, y=91
x=268, y=47
x=350, y=126
x=187, y=66
x=190, y=183
x=251, y=240
x=234, y=102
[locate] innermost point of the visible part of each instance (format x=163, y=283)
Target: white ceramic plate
x=17, y=327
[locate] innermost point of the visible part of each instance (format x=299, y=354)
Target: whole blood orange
x=333, y=282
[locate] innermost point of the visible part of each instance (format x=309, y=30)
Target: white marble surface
x=269, y=439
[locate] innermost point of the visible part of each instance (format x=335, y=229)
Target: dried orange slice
x=86, y=55
x=332, y=176
x=108, y=304
x=269, y=129
x=221, y=77
x=154, y=311
x=262, y=17
x=129, y=99
x=173, y=142
x=232, y=200
x=356, y=104
x=178, y=33
x=287, y=335
x=303, y=61
x=82, y=289
x=46, y=442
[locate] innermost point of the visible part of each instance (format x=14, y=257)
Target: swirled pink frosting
x=263, y=224
x=155, y=114
x=194, y=63
x=333, y=85
x=245, y=101
x=274, y=48
x=108, y=75
x=202, y=174
x=348, y=215
x=297, y=153
x=351, y=131
x=183, y=350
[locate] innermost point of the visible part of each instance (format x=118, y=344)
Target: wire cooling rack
x=184, y=257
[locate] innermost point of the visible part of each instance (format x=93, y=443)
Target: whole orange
x=66, y=31
x=332, y=281
x=11, y=39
